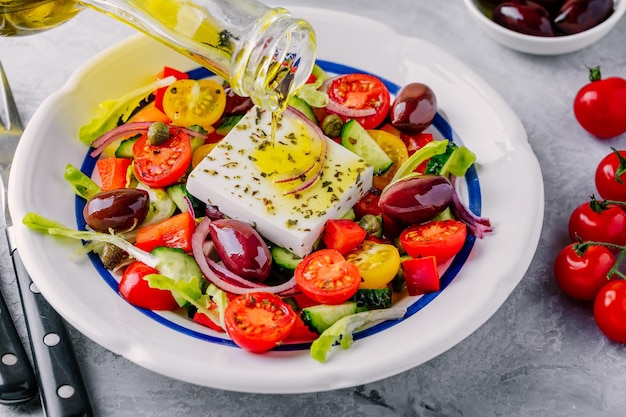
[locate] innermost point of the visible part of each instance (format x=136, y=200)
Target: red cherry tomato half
x=610, y=171
x=609, y=310
x=442, y=239
x=606, y=225
x=368, y=204
x=353, y=93
x=600, y=106
x=327, y=277
x=581, y=277
x=162, y=165
x=138, y=292
x=258, y=321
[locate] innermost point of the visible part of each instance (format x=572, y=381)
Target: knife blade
x=61, y=386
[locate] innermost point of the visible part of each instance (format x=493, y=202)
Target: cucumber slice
x=125, y=149
x=179, y=194
x=372, y=299
x=321, y=317
x=357, y=140
x=175, y=264
x=161, y=205
x=284, y=259
x=227, y=124
x=303, y=107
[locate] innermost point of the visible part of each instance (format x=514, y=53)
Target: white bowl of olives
x=547, y=27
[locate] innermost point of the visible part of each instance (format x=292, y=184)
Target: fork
x=57, y=373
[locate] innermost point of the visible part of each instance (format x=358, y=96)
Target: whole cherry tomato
x=139, y=293
x=582, y=276
x=599, y=222
x=611, y=176
x=609, y=310
x=600, y=106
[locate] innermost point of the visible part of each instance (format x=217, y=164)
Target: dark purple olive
x=416, y=199
x=241, y=248
x=414, y=108
x=525, y=17
x=235, y=104
x=579, y=15
x=119, y=210
x=552, y=6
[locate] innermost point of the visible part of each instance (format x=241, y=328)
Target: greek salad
x=328, y=212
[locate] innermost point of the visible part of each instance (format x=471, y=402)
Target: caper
x=332, y=126
x=372, y=224
x=112, y=256
x=158, y=133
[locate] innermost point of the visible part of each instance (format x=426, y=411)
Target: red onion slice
x=128, y=129
x=229, y=282
x=131, y=129
x=478, y=226
x=306, y=177
x=341, y=110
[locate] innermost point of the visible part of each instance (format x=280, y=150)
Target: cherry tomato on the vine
x=600, y=105
x=610, y=171
x=609, y=310
x=594, y=221
x=582, y=276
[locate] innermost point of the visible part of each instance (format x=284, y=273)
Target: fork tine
x=11, y=115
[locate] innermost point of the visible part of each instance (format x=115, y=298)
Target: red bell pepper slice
x=175, y=232
x=421, y=275
x=205, y=320
x=343, y=235
x=113, y=172
x=166, y=72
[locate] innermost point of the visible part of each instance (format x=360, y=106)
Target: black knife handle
x=17, y=380
x=63, y=392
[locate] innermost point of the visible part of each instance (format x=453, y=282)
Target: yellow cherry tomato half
x=194, y=102
x=395, y=148
x=378, y=262
x=201, y=152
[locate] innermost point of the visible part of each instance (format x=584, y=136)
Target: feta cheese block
x=286, y=186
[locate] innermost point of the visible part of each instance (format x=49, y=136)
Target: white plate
x=507, y=184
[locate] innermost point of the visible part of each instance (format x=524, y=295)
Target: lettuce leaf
x=82, y=185
x=120, y=110
x=342, y=330
x=192, y=294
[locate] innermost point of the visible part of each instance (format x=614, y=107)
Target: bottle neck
x=273, y=59
x=264, y=53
